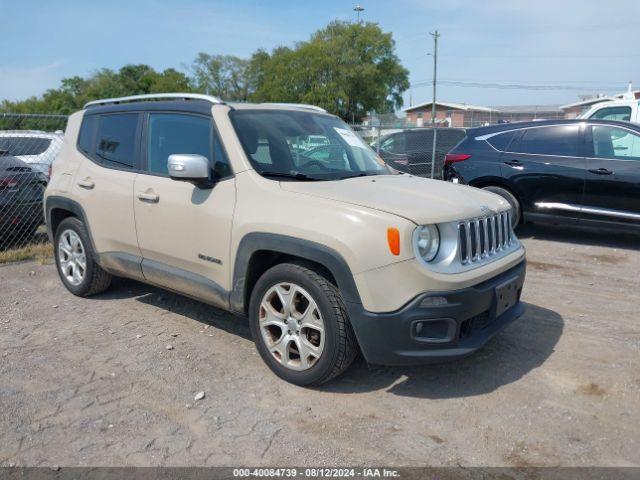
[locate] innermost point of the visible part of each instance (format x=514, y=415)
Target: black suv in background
x=21, y=192
x=584, y=171
x=410, y=150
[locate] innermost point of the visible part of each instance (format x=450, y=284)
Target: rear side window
x=116, y=139
x=22, y=145
x=561, y=140
x=613, y=113
x=501, y=142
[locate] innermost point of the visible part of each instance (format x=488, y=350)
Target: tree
x=224, y=76
x=346, y=68
x=74, y=92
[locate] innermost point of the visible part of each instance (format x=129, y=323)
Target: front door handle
x=86, y=183
x=513, y=163
x=601, y=171
x=148, y=197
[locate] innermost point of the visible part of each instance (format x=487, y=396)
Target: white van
x=627, y=109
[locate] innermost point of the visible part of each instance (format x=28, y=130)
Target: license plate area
x=506, y=295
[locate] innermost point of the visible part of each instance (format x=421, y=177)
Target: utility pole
x=435, y=36
x=358, y=9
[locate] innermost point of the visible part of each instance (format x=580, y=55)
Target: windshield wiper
x=361, y=174
x=295, y=175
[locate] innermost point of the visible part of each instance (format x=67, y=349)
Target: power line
x=513, y=57
x=509, y=86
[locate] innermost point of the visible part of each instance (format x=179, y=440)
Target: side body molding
x=315, y=252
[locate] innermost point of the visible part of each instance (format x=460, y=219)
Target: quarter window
x=561, y=140
x=502, y=141
x=116, y=139
x=613, y=113
x=613, y=142
x=87, y=134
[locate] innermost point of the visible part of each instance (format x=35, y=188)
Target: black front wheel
x=516, y=214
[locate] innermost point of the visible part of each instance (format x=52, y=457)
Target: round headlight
x=426, y=241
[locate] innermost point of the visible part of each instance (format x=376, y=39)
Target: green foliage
x=347, y=68
x=224, y=76
x=74, y=92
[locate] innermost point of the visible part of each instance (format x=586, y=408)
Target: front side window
x=614, y=142
x=304, y=145
x=613, y=113
x=21, y=145
x=116, y=139
x=561, y=140
x=170, y=133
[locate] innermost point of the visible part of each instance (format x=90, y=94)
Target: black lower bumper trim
x=388, y=338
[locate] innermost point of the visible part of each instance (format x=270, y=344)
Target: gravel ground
x=94, y=382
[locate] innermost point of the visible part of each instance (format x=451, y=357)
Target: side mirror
x=188, y=167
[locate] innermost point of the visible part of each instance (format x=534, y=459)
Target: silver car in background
x=36, y=148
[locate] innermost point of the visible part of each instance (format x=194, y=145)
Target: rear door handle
x=601, y=171
x=86, y=183
x=148, y=197
x=513, y=163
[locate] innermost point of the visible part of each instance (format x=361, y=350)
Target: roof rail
x=300, y=105
x=155, y=96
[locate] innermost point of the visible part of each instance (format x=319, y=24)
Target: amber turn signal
x=393, y=238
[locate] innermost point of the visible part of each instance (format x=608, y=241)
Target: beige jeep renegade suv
x=281, y=213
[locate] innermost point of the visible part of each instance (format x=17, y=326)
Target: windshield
x=304, y=146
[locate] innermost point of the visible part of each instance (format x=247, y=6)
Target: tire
x=92, y=279
x=337, y=344
x=513, y=201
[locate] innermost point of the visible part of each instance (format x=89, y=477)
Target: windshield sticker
x=350, y=137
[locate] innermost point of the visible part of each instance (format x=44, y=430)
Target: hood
x=420, y=200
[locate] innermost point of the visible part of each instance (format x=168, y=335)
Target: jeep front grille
x=479, y=238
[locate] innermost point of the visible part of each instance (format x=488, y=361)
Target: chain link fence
x=28, y=145
x=410, y=149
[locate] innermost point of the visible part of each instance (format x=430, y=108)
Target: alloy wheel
x=72, y=257
x=292, y=326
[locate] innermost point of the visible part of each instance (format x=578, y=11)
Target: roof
x=589, y=101
x=31, y=133
x=628, y=92
x=453, y=106
x=158, y=98
x=527, y=108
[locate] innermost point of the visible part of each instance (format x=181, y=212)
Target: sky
x=557, y=49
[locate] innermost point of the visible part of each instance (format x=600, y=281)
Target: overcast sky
x=573, y=46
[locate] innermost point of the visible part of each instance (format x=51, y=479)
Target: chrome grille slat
x=483, y=237
x=467, y=229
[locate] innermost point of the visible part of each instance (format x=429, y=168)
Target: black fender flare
x=53, y=202
x=306, y=249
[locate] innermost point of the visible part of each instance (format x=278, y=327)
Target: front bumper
x=464, y=323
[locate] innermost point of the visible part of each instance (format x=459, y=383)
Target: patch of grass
x=40, y=252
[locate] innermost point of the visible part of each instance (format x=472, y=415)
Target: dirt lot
x=91, y=381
